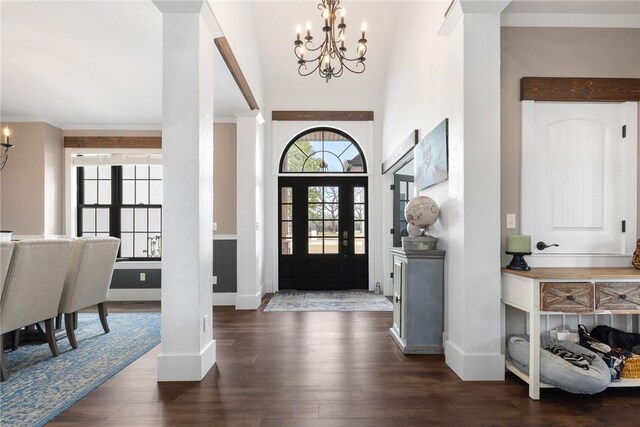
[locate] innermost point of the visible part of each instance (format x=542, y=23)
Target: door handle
x=541, y=246
x=345, y=243
x=345, y=234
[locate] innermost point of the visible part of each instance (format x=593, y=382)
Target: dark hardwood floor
x=329, y=369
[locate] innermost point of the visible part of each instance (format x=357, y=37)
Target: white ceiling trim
x=585, y=20
x=83, y=126
x=30, y=119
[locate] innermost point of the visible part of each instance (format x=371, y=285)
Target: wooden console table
x=598, y=290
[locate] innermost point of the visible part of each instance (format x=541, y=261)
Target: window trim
x=321, y=129
x=116, y=206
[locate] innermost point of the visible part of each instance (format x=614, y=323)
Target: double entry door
x=323, y=233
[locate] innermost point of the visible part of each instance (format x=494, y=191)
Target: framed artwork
x=432, y=157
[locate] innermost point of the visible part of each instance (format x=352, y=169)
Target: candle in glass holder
x=519, y=243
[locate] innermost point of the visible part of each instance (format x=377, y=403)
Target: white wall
x=456, y=77
x=235, y=20
x=414, y=101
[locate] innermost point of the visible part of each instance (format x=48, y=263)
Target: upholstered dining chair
x=88, y=280
x=31, y=293
x=6, y=250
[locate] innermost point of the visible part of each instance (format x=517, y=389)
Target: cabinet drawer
x=570, y=297
x=617, y=296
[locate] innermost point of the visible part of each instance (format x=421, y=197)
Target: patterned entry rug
x=328, y=301
x=39, y=387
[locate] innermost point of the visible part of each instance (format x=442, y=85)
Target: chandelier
x=330, y=57
x=5, y=147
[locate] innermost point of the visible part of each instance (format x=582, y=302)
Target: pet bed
x=560, y=373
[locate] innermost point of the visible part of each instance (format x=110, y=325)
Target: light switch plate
x=511, y=221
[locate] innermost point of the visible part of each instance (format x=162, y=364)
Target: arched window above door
x=322, y=150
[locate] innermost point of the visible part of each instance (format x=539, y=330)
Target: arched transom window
x=323, y=150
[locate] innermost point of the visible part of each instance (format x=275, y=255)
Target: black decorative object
x=330, y=56
x=518, y=262
x=541, y=246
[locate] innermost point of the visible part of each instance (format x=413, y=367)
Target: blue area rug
x=328, y=301
x=40, y=386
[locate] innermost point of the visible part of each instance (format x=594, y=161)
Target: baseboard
x=224, y=298
x=134, y=295
x=248, y=302
x=268, y=288
x=186, y=367
x=474, y=367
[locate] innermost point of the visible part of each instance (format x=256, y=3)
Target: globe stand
x=518, y=262
x=419, y=243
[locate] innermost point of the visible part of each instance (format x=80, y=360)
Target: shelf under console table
x=594, y=290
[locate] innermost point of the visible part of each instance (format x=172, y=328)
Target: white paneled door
x=575, y=177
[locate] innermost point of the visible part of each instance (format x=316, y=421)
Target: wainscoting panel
x=224, y=266
x=130, y=279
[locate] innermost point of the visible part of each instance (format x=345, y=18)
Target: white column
x=250, y=208
x=188, y=350
x=473, y=348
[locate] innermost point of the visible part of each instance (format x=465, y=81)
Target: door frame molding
x=630, y=189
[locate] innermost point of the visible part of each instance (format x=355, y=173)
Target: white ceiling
x=80, y=63
x=574, y=6
x=276, y=22
x=99, y=63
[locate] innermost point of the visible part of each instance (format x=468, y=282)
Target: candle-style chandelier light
x=330, y=57
x=6, y=133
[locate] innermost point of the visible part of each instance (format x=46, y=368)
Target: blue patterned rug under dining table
x=40, y=387
x=353, y=300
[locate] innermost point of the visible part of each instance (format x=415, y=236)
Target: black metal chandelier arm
x=355, y=71
x=309, y=49
x=359, y=59
x=304, y=65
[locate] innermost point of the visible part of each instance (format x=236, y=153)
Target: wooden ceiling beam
x=232, y=63
x=140, y=142
x=346, y=116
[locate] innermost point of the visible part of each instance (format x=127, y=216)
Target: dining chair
x=6, y=250
x=33, y=286
x=88, y=280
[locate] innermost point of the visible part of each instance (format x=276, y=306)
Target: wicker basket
x=631, y=368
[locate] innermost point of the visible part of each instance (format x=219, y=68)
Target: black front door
x=323, y=233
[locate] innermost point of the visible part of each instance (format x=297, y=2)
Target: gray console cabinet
x=418, y=301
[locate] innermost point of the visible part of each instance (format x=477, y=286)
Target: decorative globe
x=422, y=211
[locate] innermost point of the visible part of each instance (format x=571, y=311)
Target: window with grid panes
x=124, y=202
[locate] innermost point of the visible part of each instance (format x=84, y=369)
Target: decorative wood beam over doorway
x=139, y=142
x=343, y=116
x=402, y=154
x=579, y=89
